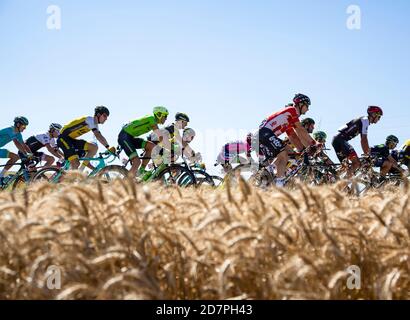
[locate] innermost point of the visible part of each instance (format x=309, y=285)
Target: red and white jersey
x=281, y=121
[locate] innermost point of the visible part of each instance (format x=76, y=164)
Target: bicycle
x=168, y=174
x=22, y=177
x=103, y=171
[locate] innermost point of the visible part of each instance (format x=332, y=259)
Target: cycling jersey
x=354, y=128
x=79, y=127
x=167, y=131
x=140, y=126
x=380, y=150
x=39, y=141
x=282, y=121
x=233, y=149
x=8, y=134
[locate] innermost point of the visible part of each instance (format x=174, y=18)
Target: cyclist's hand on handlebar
x=112, y=150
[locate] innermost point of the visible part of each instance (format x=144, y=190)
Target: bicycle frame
x=102, y=163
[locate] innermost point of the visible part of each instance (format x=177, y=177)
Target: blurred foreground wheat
x=125, y=241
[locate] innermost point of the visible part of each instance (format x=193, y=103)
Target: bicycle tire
x=112, y=172
x=176, y=175
x=51, y=175
x=203, y=178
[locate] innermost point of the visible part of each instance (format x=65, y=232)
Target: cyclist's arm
x=101, y=138
x=163, y=137
x=365, y=144
x=22, y=146
x=303, y=135
x=395, y=164
x=55, y=152
x=178, y=137
x=188, y=151
x=294, y=139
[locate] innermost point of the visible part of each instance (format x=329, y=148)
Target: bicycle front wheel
x=51, y=175
x=111, y=173
x=203, y=178
x=176, y=175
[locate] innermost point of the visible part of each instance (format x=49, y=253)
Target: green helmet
x=160, y=111
x=392, y=138
x=21, y=120
x=320, y=136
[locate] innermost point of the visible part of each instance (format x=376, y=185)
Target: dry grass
x=123, y=241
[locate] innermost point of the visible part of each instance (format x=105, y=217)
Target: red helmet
x=374, y=109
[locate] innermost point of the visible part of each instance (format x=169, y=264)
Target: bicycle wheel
x=246, y=171
x=176, y=175
x=261, y=179
x=218, y=181
x=112, y=172
x=203, y=178
x=20, y=183
x=51, y=175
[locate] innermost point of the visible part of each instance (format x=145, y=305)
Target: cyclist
x=231, y=153
x=181, y=121
x=284, y=121
x=320, y=137
x=404, y=154
x=309, y=125
x=74, y=148
x=352, y=129
x=384, y=159
x=48, y=140
x=159, y=153
x=13, y=134
x=130, y=141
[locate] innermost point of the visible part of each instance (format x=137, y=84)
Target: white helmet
x=188, y=135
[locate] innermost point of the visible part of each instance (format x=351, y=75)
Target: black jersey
x=380, y=150
x=354, y=128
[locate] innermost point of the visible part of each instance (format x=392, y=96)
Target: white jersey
x=45, y=139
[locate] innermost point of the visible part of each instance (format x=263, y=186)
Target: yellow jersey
x=79, y=127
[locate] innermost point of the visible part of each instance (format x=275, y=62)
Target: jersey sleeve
x=91, y=124
x=293, y=116
x=19, y=137
x=365, y=126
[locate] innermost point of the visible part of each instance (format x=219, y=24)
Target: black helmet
x=392, y=138
x=299, y=97
x=308, y=121
x=101, y=110
x=21, y=120
x=181, y=116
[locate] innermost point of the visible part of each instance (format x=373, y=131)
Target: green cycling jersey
x=141, y=126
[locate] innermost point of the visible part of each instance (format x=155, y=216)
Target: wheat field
x=127, y=241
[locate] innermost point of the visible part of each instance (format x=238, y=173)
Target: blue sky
x=228, y=64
